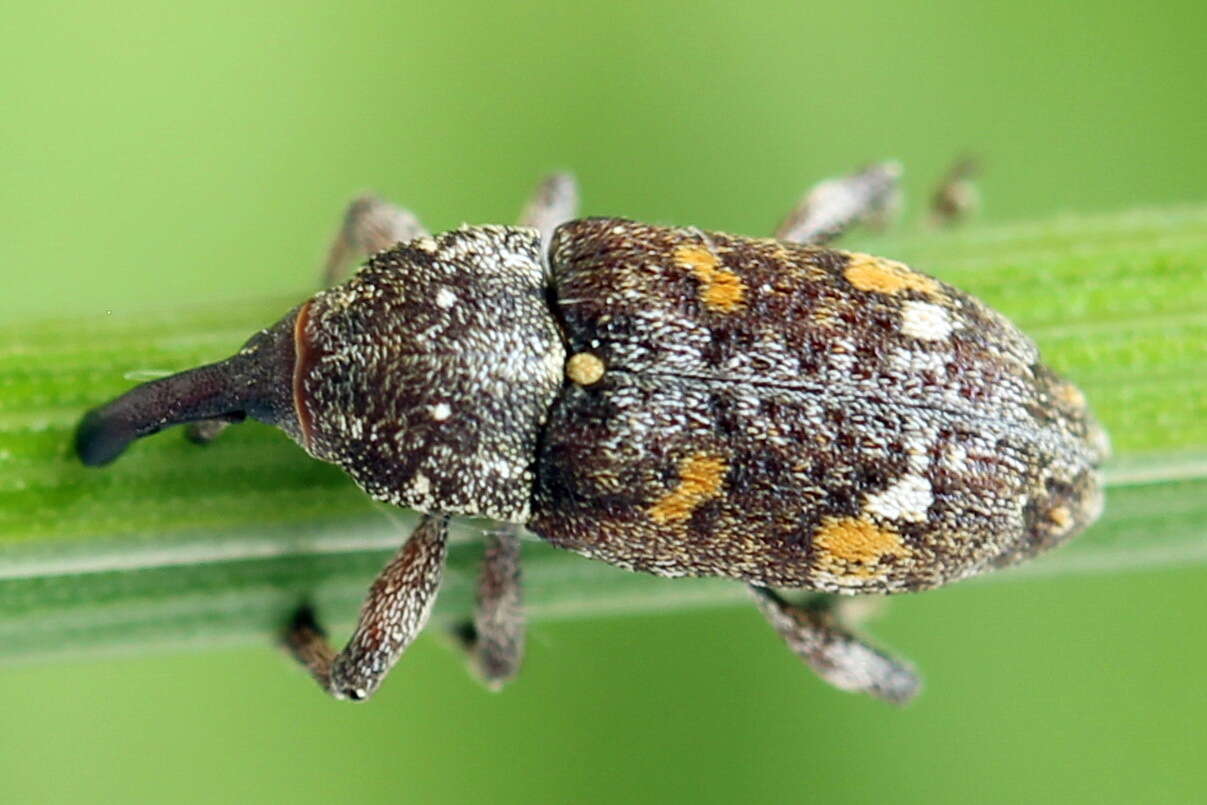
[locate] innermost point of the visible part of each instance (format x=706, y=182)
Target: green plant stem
x=178, y=543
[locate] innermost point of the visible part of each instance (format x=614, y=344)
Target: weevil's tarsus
x=553, y=202
x=815, y=634
x=494, y=638
x=870, y=195
x=206, y=430
x=394, y=613
x=307, y=641
x=956, y=198
x=256, y=382
x=371, y=225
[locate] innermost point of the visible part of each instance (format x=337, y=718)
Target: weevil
x=665, y=399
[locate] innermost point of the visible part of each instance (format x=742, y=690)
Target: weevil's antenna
x=257, y=382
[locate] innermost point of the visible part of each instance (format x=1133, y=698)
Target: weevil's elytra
x=664, y=399
x=897, y=422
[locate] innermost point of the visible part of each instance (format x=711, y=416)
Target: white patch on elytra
x=956, y=458
x=842, y=355
x=440, y=411
x=925, y=321
x=917, y=455
x=907, y=499
x=445, y=298
x=911, y=361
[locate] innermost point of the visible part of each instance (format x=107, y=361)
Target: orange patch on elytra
x=853, y=546
x=720, y=289
x=700, y=478
x=868, y=273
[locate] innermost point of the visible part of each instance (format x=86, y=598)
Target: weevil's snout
x=97, y=442
x=256, y=382
x=104, y=433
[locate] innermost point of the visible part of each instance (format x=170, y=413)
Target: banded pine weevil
x=668, y=400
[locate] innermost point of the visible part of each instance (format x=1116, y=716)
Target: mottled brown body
x=667, y=400
x=796, y=416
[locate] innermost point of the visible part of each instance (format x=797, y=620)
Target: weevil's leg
x=835, y=653
x=206, y=430
x=832, y=207
x=494, y=637
x=956, y=197
x=370, y=225
x=392, y=616
x=554, y=202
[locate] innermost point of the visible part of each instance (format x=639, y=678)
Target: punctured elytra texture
x=801, y=417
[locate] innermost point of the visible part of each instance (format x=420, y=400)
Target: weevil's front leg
x=832, y=207
x=554, y=202
x=392, y=616
x=370, y=225
x=835, y=653
x=494, y=637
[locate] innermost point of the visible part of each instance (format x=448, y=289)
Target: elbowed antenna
x=256, y=382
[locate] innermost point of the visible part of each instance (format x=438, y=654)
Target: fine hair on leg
x=394, y=613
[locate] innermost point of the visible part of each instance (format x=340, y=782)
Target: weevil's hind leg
x=554, y=202
x=370, y=225
x=392, y=616
x=815, y=633
x=956, y=198
x=494, y=638
x=832, y=207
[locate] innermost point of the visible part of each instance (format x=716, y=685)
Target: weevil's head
x=427, y=376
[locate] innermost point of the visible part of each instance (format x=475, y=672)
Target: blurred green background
x=154, y=155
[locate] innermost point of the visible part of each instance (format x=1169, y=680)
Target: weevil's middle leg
x=554, y=202
x=833, y=206
x=494, y=638
x=835, y=653
x=392, y=616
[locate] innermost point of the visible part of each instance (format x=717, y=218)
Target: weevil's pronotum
x=668, y=400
